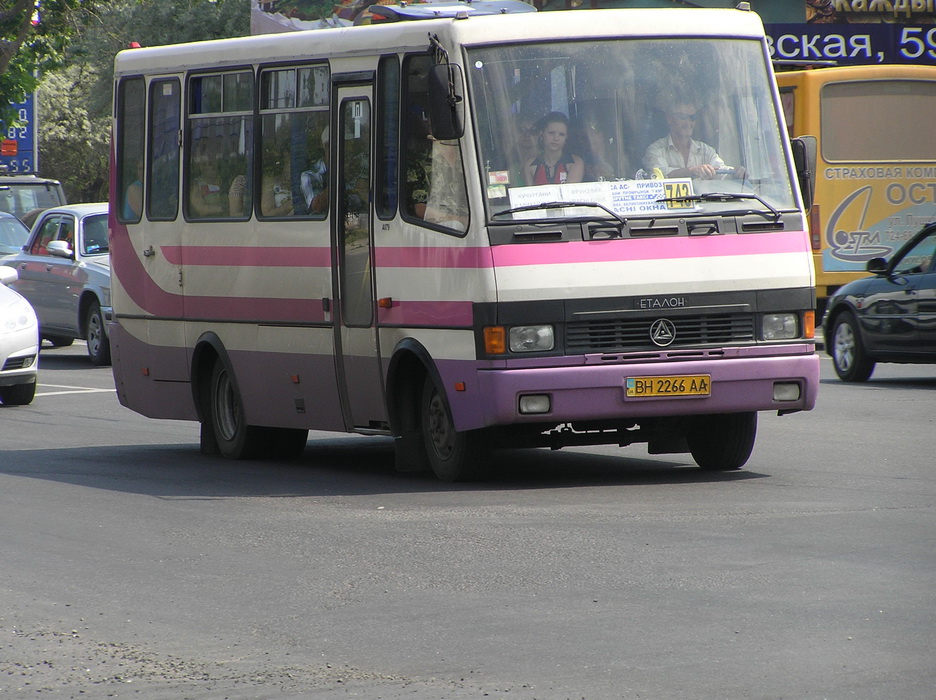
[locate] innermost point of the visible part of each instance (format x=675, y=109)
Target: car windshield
x=13, y=234
x=20, y=198
x=626, y=123
x=95, y=234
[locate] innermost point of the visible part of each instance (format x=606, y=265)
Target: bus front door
x=356, y=347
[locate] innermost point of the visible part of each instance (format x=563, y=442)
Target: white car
x=64, y=272
x=19, y=344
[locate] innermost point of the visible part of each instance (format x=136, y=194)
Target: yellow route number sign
x=678, y=188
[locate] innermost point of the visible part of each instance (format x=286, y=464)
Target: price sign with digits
x=18, y=152
x=677, y=188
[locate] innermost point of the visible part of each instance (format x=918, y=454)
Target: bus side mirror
x=446, y=102
x=804, y=160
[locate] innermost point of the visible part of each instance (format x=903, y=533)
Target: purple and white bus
x=466, y=231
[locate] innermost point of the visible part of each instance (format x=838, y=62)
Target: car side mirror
x=59, y=249
x=877, y=266
x=8, y=275
x=804, y=160
x=446, y=102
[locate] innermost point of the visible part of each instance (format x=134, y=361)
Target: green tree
x=75, y=103
x=74, y=146
x=34, y=36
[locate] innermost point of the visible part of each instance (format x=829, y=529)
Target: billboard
x=18, y=151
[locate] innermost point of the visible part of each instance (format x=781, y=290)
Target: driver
x=679, y=155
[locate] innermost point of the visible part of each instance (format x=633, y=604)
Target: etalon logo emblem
x=663, y=332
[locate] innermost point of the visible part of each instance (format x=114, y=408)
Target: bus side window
x=388, y=136
x=132, y=107
x=221, y=153
x=164, y=124
x=294, y=142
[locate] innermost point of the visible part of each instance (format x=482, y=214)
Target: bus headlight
x=532, y=338
x=780, y=326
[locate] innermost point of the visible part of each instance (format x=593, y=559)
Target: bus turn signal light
x=809, y=324
x=495, y=340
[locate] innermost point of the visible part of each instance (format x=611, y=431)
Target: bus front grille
x=624, y=335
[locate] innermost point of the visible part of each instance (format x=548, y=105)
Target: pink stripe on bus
x=500, y=256
x=650, y=249
x=427, y=313
x=247, y=256
x=445, y=258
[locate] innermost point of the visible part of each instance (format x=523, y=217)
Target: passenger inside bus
x=679, y=155
x=276, y=191
x=447, y=199
x=523, y=148
x=314, y=181
x=133, y=197
x=206, y=194
x=553, y=164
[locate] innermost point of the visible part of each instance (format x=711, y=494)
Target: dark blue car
x=890, y=317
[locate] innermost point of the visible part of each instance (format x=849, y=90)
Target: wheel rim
x=845, y=343
x=95, y=333
x=226, y=410
x=440, y=429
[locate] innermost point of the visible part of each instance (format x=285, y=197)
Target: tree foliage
x=75, y=102
x=34, y=36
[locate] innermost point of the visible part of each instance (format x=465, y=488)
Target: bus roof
x=472, y=30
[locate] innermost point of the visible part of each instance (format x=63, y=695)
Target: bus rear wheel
x=722, y=442
x=235, y=439
x=453, y=455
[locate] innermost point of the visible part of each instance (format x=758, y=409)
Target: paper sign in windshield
x=623, y=197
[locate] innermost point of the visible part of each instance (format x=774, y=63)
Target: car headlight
x=780, y=326
x=532, y=338
x=18, y=316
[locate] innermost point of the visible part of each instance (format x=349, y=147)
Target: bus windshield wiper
x=562, y=205
x=727, y=197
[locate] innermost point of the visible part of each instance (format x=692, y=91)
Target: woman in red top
x=553, y=166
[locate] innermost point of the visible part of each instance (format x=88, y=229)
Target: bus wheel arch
x=453, y=455
x=218, y=402
x=409, y=365
x=421, y=418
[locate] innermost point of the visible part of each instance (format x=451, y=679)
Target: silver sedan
x=64, y=272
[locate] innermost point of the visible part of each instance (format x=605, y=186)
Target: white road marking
x=72, y=390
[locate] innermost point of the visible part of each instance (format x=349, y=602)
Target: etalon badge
x=663, y=332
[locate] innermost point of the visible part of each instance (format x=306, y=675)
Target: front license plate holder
x=675, y=385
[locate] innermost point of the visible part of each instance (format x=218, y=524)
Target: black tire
x=18, y=394
x=722, y=442
x=851, y=362
x=453, y=455
x=59, y=341
x=96, y=336
x=235, y=439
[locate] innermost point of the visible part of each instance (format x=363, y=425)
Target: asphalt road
x=133, y=567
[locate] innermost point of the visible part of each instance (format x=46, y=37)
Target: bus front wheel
x=453, y=455
x=722, y=442
x=235, y=439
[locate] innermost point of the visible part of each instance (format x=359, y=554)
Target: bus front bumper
x=584, y=393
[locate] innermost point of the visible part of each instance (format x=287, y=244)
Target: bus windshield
x=624, y=124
